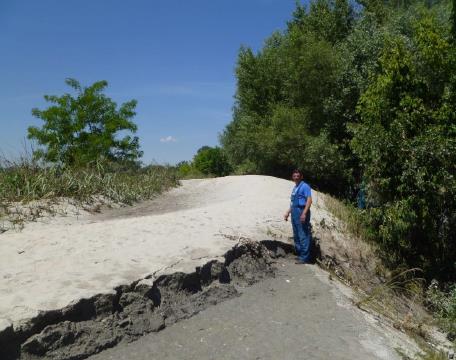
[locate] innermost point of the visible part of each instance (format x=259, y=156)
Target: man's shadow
x=282, y=249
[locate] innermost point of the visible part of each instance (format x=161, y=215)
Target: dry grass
x=434, y=355
x=400, y=300
x=398, y=296
x=25, y=182
x=29, y=191
x=351, y=217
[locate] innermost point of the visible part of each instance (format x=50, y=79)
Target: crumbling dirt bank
x=144, y=306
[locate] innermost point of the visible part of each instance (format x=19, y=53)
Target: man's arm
x=306, y=209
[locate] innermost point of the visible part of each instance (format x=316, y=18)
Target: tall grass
x=24, y=181
x=443, y=304
x=432, y=354
x=352, y=217
x=404, y=294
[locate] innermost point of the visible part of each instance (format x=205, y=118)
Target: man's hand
x=303, y=216
x=287, y=214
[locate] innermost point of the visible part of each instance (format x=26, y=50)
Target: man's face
x=296, y=177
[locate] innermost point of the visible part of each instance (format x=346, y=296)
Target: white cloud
x=167, y=139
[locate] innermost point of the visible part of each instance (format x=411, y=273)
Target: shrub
x=444, y=306
x=211, y=161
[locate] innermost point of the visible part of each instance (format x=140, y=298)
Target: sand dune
x=57, y=262
x=49, y=265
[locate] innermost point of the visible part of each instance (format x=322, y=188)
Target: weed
x=351, y=217
x=443, y=304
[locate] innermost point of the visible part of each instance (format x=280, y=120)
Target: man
x=301, y=200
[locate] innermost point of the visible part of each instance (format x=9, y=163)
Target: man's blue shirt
x=300, y=194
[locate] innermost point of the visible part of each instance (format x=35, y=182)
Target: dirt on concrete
x=297, y=314
x=257, y=305
x=54, y=262
x=145, y=306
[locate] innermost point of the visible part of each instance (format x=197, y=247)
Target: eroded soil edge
x=148, y=305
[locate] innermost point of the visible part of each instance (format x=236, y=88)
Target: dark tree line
x=361, y=96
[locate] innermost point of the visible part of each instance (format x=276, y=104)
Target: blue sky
x=177, y=58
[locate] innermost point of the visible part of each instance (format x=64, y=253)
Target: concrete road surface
x=299, y=314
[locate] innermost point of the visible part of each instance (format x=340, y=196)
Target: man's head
x=296, y=176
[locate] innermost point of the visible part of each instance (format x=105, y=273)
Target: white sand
x=48, y=266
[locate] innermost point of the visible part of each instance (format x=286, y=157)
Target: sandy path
x=298, y=314
x=48, y=266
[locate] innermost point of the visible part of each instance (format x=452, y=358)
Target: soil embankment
x=296, y=314
x=47, y=266
x=75, y=287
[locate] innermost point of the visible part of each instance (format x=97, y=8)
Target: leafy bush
x=406, y=143
x=361, y=98
x=81, y=129
x=211, y=161
x=281, y=116
x=186, y=170
x=444, y=306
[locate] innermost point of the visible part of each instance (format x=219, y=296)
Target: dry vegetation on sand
x=29, y=191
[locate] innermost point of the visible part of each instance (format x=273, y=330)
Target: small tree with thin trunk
x=82, y=129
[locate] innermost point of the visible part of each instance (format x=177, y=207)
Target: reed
x=25, y=181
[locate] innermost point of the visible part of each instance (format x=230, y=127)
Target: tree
x=361, y=97
x=211, y=161
x=406, y=142
x=84, y=128
x=281, y=112
x=329, y=20
x=260, y=77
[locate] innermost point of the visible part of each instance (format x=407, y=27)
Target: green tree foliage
x=453, y=21
x=329, y=20
x=211, y=161
x=444, y=306
x=84, y=128
x=184, y=168
x=260, y=78
x=363, y=96
x=406, y=142
x=281, y=115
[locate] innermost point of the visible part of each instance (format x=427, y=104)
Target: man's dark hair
x=297, y=171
